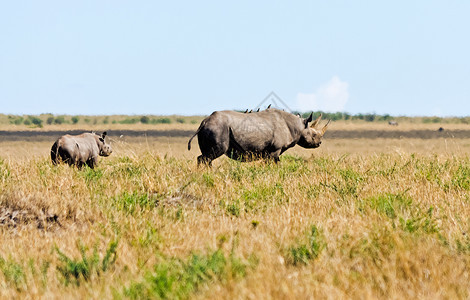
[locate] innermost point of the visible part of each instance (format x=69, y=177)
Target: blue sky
x=182, y=57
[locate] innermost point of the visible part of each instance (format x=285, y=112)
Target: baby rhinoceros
x=80, y=150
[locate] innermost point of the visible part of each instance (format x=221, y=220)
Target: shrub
x=59, y=120
x=129, y=121
x=161, y=121
x=369, y=117
x=428, y=120
x=386, y=117
x=35, y=121
x=144, y=120
x=18, y=121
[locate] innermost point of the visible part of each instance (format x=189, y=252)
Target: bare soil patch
x=330, y=134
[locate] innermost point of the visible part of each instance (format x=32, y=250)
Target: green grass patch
x=91, y=175
x=347, y=183
x=13, y=272
x=175, y=278
x=461, y=178
x=134, y=202
x=307, y=249
x=420, y=222
x=86, y=267
x=390, y=204
x=127, y=167
x=262, y=196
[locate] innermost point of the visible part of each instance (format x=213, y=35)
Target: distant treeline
x=345, y=116
x=50, y=119
x=371, y=117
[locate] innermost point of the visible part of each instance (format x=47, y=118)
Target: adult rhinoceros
x=266, y=134
x=80, y=150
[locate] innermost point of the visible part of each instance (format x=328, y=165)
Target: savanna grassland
x=357, y=218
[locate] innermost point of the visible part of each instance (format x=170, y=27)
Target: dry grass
x=352, y=219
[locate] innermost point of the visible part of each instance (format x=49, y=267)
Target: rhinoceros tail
x=197, y=131
x=189, y=143
x=54, y=153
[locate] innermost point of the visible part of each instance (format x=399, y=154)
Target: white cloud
x=330, y=97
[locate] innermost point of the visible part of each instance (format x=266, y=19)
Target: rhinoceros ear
x=309, y=119
x=103, y=135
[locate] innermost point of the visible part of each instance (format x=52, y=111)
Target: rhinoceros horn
x=325, y=127
x=315, y=123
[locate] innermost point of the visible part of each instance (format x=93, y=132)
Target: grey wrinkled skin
x=266, y=134
x=80, y=150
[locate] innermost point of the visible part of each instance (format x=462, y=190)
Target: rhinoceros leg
x=275, y=155
x=213, y=143
x=65, y=156
x=209, y=154
x=91, y=162
x=201, y=159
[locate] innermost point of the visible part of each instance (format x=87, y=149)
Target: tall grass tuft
x=305, y=251
x=173, y=278
x=86, y=267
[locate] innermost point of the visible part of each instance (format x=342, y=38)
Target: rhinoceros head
x=105, y=149
x=311, y=136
